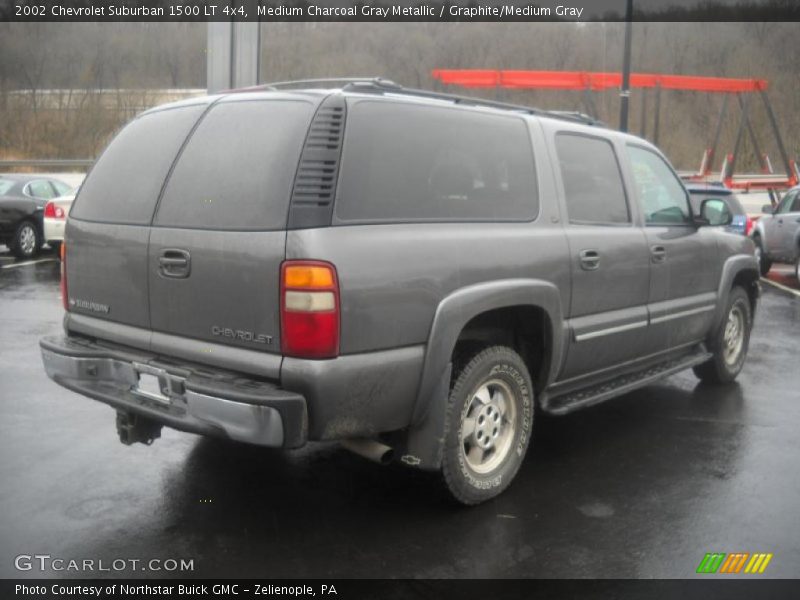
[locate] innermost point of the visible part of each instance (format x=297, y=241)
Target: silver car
x=777, y=233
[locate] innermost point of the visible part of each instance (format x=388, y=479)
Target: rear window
x=62, y=188
x=403, y=162
x=237, y=170
x=124, y=184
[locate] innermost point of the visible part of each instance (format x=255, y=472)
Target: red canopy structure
x=596, y=82
x=588, y=82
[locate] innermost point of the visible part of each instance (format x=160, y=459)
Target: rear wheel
x=490, y=415
x=730, y=342
x=764, y=263
x=27, y=240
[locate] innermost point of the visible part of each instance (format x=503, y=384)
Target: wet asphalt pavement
x=642, y=486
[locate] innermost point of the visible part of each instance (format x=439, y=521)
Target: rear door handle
x=175, y=263
x=590, y=259
x=658, y=254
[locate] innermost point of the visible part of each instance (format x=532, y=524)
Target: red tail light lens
x=309, y=309
x=51, y=211
x=64, y=299
x=748, y=226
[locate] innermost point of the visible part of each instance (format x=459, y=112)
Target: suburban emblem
x=89, y=305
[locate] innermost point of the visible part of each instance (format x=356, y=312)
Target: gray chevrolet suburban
x=415, y=274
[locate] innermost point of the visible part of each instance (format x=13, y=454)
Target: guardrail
x=54, y=163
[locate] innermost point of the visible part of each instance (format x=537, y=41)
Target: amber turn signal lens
x=307, y=276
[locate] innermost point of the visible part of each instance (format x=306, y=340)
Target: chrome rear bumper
x=184, y=397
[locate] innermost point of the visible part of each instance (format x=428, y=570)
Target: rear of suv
x=412, y=273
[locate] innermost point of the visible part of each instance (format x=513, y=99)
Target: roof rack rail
x=382, y=85
x=342, y=81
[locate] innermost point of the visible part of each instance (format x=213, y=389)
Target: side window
x=403, y=162
x=41, y=189
x=661, y=194
x=786, y=204
x=796, y=204
x=593, y=184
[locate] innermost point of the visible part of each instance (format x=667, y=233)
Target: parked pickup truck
x=416, y=274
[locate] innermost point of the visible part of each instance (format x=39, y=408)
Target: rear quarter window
x=403, y=162
x=124, y=184
x=236, y=171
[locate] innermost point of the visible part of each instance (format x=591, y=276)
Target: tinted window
x=592, y=182
x=796, y=204
x=661, y=194
x=410, y=163
x=237, y=170
x=124, y=184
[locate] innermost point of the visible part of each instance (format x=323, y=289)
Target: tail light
x=748, y=225
x=64, y=299
x=309, y=309
x=51, y=211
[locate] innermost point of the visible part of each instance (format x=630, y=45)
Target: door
x=773, y=225
x=219, y=235
x=609, y=259
x=788, y=224
x=109, y=225
x=684, y=265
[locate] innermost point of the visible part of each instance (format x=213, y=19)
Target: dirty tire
x=764, y=263
x=730, y=341
x=499, y=375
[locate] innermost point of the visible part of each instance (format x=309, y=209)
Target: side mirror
x=767, y=209
x=715, y=212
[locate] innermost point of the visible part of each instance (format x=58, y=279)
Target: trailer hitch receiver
x=133, y=428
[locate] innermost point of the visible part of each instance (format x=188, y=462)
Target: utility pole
x=233, y=50
x=625, y=92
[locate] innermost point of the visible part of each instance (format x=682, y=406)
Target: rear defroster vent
x=315, y=182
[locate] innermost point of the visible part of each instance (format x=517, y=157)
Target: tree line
x=81, y=59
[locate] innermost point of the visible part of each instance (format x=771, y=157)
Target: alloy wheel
x=733, y=337
x=488, y=426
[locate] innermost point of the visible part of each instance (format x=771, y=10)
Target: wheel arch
x=739, y=270
x=468, y=310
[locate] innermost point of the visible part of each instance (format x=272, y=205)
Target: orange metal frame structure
x=588, y=82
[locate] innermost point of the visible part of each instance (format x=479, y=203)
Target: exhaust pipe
x=370, y=449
